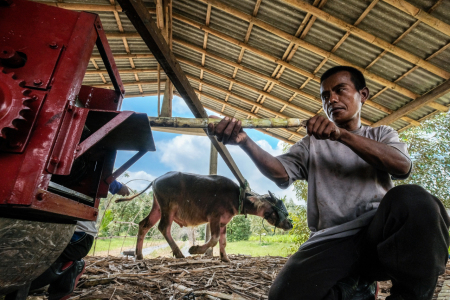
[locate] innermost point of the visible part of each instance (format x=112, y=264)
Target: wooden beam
x=137, y=82
x=423, y=100
x=124, y=71
x=125, y=56
x=438, y=106
x=421, y=15
x=144, y=24
x=140, y=95
x=299, y=4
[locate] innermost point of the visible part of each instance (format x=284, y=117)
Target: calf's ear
x=252, y=198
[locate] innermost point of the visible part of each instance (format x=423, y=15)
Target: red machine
x=58, y=139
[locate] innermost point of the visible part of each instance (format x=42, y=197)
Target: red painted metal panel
x=45, y=53
x=63, y=153
x=28, y=28
x=96, y=98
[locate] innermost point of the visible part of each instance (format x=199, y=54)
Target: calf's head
x=272, y=209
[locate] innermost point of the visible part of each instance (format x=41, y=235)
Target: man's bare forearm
x=268, y=165
x=378, y=155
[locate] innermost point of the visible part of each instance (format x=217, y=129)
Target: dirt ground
x=197, y=277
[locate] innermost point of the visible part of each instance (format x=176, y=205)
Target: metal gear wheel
x=12, y=101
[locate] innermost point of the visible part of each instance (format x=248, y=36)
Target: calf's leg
x=215, y=230
x=223, y=243
x=164, y=227
x=145, y=225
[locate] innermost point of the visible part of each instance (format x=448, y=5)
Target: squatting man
x=363, y=229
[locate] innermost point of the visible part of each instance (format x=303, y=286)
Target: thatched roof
x=263, y=58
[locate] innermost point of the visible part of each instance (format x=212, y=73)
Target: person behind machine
x=64, y=273
x=363, y=229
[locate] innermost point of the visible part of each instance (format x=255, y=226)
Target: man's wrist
x=245, y=143
x=344, y=136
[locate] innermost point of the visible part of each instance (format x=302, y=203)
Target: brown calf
x=192, y=200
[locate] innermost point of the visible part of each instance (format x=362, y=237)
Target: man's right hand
x=228, y=131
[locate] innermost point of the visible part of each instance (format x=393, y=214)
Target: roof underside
x=240, y=69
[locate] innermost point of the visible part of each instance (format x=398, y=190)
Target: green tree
x=300, y=231
x=238, y=229
x=429, y=148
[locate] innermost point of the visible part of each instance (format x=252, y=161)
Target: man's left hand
x=322, y=128
x=124, y=190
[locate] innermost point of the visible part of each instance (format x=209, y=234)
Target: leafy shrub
x=238, y=229
x=300, y=232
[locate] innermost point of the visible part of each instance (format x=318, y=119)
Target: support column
x=212, y=171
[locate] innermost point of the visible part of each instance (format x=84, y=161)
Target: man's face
x=340, y=99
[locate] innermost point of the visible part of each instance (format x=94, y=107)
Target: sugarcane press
x=58, y=138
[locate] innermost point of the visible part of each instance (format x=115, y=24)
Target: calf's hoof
x=224, y=259
x=178, y=254
x=196, y=250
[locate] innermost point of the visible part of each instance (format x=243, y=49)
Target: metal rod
x=246, y=123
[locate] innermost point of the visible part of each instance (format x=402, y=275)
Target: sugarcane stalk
x=246, y=123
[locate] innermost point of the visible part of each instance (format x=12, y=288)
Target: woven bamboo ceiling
x=264, y=58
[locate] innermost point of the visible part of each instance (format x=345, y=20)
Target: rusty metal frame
x=146, y=27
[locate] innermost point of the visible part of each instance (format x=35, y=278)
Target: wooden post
x=212, y=171
x=166, y=110
x=159, y=90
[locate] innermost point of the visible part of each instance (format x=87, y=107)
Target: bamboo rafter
x=369, y=37
x=421, y=15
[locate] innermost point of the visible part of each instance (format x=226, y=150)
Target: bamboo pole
x=264, y=131
x=246, y=123
x=239, y=110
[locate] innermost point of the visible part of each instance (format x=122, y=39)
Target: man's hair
x=356, y=76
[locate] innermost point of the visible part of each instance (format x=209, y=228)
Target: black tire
x=28, y=248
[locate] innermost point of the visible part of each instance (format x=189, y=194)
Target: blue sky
x=187, y=153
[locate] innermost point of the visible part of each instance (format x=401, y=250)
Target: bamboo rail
x=246, y=123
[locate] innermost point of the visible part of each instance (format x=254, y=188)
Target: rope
x=242, y=191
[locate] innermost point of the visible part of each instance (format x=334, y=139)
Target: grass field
x=270, y=245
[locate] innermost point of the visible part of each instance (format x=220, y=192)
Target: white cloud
x=188, y=153
x=179, y=107
x=137, y=180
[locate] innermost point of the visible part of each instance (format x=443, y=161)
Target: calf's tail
x=129, y=198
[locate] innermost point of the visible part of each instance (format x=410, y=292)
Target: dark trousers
x=78, y=249
x=74, y=251
x=407, y=242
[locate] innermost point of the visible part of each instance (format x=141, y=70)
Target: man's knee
x=414, y=200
